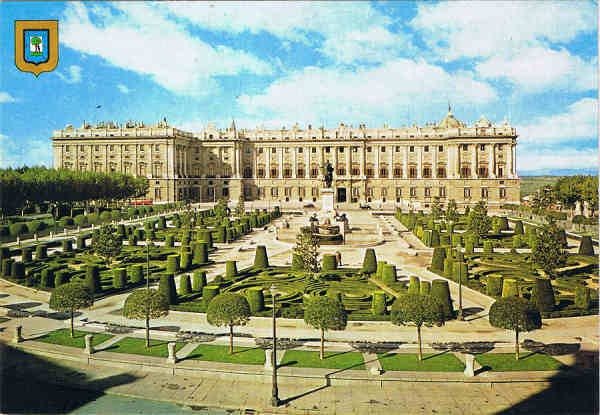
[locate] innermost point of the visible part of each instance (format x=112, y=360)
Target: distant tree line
x=28, y=186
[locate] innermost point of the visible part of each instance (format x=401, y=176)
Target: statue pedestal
x=327, y=205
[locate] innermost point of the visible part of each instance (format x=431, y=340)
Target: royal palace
x=406, y=166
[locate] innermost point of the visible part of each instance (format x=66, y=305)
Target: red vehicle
x=141, y=202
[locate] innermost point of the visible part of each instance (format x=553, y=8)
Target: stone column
x=89, y=347
x=469, y=364
x=457, y=160
x=281, y=162
x=320, y=150
x=405, y=162
x=268, y=359
x=268, y=162
x=307, y=163
x=348, y=161
x=391, y=167
x=474, y=161
x=491, y=161
x=334, y=160
x=255, y=162
x=18, y=338
x=419, y=162
x=172, y=353
x=509, y=162
x=449, y=163
x=362, y=161
x=377, y=150
x=294, y=162
x=434, y=162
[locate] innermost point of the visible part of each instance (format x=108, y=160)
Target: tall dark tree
x=479, y=223
x=547, y=252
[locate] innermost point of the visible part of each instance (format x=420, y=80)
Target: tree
x=69, y=298
x=547, y=252
x=516, y=314
x=146, y=304
x=479, y=223
x=436, y=208
x=36, y=41
x=451, y=212
x=417, y=310
x=307, y=249
x=325, y=313
x=543, y=198
x=107, y=243
x=228, y=309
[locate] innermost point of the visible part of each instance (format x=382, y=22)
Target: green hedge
x=208, y=293
x=199, y=280
x=414, y=285
x=92, y=279
x=510, y=288
x=166, y=286
x=543, y=295
x=185, y=287
x=441, y=291
x=261, y=260
x=172, y=263
x=136, y=274
x=119, y=278
x=389, y=274
x=255, y=298
x=230, y=269
x=329, y=262
x=378, y=306
x=494, y=285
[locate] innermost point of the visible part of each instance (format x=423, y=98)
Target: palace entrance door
x=341, y=195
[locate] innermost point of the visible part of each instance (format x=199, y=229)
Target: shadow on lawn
x=235, y=353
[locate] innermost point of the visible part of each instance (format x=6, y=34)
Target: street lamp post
x=275, y=394
x=460, y=309
x=148, y=242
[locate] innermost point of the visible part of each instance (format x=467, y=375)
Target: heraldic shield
x=36, y=45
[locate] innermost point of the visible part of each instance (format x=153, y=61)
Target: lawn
x=439, y=362
x=158, y=348
x=241, y=355
x=63, y=337
x=504, y=362
x=332, y=360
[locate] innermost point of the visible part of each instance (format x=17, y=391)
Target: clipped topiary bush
x=456, y=239
x=92, y=279
x=414, y=286
x=47, y=278
x=17, y=270
x=469, y=248
x=208, y=293
x=139, y=234
x=435, y=238
x=462, y=269
x=4, y=252
x=119, y=278
x=261, y=260
x=379, y=272
x=199, y=280
x=17, y=229
x=424, y=288
x=543, y=295
x=41, y=252
x=172, y=263
x=510, y=288
x=586, y=247
x=583, y=298
x=136, y=274
x=200, y=253
x=169, y=241
x=184, y=285
x=494, y=285
x=255, y=298
x=518, y=228
x=186, y=261
x=35, y=225
x=81, y=220
x=61, y=278
x=378, y=306
x=437, y=260
x=67, y=245
x=448, y=267
x=441, y=291
x=132, y=240
x=389, y=274
x=516, y=241
x=488, y=247
x=80, y=243
x=329, y=262
x=166, y=286
x=206, y=236
x=230, y=269
x=6, y=266
x=27, y=255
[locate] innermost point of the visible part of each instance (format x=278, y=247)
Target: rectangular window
x=355, y=192
x=412, y=172
x=369, y=172
x=383, y=149
x=368, y=149
x=426, y=149
x=502, y=193
x=467, y=193
x=96, y=148
x=411, y=149
x=67, y=149
x=300, y=150
x=157, y=195
x=397, y=172
x=441, y=172
x=482, y=147
x=315, y=191
x=428, y=192
x=440, y=148
x=484, y=193
x=413, y=191
x=273, y=172
x=398, y=191
x=397, y=149
x=442, y=192
x=111, y=148
x=341, y=172
x=260, y=150
x=225, y=191
x=273, y=150
x=355, y=171
x=355, y=149
x=287, y=191
x=383, y=192
x=287, y=149
x=464, y=147
x=314, y=149
x=274, y=191
x=301, y=191
x=300, y=172
x=327, y=149
x=314, y=173
x=260, y=173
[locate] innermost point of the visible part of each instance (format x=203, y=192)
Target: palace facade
x=406, y=166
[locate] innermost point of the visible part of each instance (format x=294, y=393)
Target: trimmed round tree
x=166, y=286
x=441, y=291
x=146, y=304
x=261, y=260
x=228, y=309
x=414, y=285
x=230, y=269
x=369, y=262
x=417, y=310
x=389, y=274
x=378, y=306
x=329, y=262
x=543, y=295
x=69, y=298
x=199, y=280
x=516, y=314
x=256, y=299
x=184, y=285
x=325, y=313
x=586, y=247
x=92, y=279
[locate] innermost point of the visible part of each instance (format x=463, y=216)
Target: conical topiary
x=329, y=262
x=414, y=285
x=424, y=288
x=510, y=288
x=435, y=238
x=378, y=306
x=208, y=293
x=389, y=274
x=437, y=260
x=441, y=291
x=261, y=260
x=119, y=278
x=172, y=264
x=586, y=247
x=185, y=287
x=200, y=253
x=583, y=299
x=166, y=286
x=494, y=285
x=136, y=274
x=230, y=269
x=255, y=298
x=379, y=271
x=543, y=295
x=47, y=278
x=61, y=278
x=369, y=262
x=199, y=280
x=518, y=228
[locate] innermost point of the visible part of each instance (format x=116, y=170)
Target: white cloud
x=364, y=95
x=139, y=38
x=6, y=97
x=123, y=88
x=456, y=29
x=350, y=31
x=539, y=68
x=73, y=75
x=530, y=159
x=24, y=153
x=580, y=121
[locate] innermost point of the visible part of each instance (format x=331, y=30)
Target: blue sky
x=278, y=63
